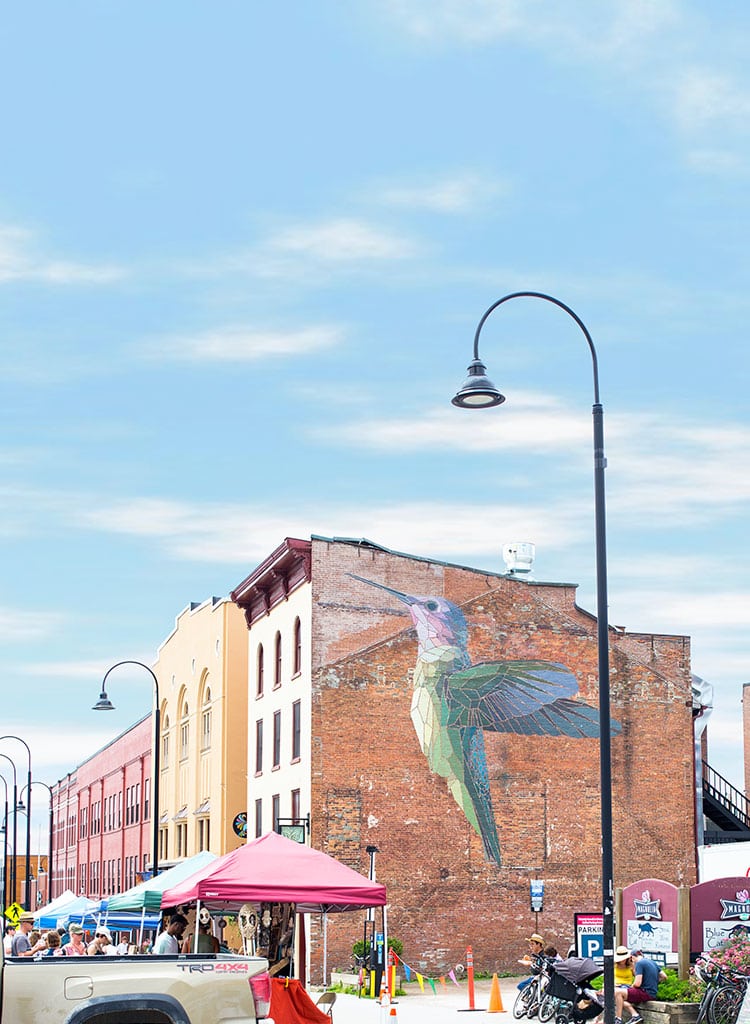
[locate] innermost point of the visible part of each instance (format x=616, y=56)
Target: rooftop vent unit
x=519, y=558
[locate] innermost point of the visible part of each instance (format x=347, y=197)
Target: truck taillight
x=261, y=988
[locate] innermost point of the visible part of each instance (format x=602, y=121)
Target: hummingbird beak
x=406, y=598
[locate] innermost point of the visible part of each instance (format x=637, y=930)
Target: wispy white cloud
x=470, y=21
x=533, y=422
x=236, y=534
x=314, y=251
x=671, y=472
x=717, y=161
x=461, y=193
x=716, y=605
x=619, y=28
x=20, y=261
x=343, y=240
x=653, y=44
x=237, y=344
x=23, y=626
x=77, y=670
x=705, y=98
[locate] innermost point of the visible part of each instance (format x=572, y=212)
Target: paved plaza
x=449, y=1005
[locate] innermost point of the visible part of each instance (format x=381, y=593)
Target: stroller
x=569, y=998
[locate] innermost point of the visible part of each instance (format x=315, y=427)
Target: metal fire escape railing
x=728, y=797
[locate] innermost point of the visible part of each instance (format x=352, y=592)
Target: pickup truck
x=190, y=988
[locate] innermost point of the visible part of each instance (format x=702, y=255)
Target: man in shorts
x=647, y=976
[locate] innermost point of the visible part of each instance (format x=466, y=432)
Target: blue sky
x=243, y=251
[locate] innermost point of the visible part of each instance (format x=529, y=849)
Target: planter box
x=338, y=977
x=656, y=1012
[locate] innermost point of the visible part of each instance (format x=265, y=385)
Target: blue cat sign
x=537, y=895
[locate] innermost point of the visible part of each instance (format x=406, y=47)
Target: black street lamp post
x=28, y=821
x=5, y=849
x=13, y=866
x=23, y=809
x=105, y=704
x=479, y=392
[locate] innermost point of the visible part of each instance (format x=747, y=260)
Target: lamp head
x=477, y=391
x=104, y=703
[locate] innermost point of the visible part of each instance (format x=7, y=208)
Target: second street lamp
x=23, y=809
x=13, y=891
x=479, y=392
x=5, y=849
x=105, y=704
x=28, y=820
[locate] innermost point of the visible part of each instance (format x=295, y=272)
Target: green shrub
x=674, y=990
x=359, y=949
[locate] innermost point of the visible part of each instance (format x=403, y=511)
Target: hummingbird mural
x=454, y=702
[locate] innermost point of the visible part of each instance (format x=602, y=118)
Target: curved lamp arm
x=105, y=704
x=478, y=392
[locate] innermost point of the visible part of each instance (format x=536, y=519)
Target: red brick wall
x=109, y=772
x=372, y=784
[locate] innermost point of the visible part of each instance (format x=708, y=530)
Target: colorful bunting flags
x=408, y=972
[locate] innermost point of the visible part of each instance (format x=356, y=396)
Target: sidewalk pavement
x=449, y=1005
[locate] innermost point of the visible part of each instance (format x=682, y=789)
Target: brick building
x=102, y=825
x=334, y=666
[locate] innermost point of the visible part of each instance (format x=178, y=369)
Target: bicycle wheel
x=725, y=1005
x=704, y=1004
x=547, y=1008
x=519, y=1006
x=534, y=999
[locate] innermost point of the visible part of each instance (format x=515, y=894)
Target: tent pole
x=195, y=925
x=386, y=965
x=325, y=949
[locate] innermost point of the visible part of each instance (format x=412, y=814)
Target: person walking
x=168, y=942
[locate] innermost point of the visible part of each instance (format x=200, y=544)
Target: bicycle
x=529, y=999
x=723, y=994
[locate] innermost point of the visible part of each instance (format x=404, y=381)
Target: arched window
x=277, y=662
x=184, y=732
x=259, y=672
x=297, y=647
x=206, y=721
x=164, y=742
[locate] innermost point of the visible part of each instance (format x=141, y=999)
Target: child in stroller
x=569, y=997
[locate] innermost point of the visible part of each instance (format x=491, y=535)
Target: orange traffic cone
x=496, y=999
x=393, y=1016
x=385, y=998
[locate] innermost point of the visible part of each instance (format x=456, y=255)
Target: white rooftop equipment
x=519, y=558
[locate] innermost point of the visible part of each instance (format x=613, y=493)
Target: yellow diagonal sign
x=13, y=912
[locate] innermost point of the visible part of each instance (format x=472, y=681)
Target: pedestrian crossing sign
x=13, y=913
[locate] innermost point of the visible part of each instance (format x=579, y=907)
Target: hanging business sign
x=537, y=895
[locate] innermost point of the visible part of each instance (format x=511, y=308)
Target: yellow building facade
x=202, y=668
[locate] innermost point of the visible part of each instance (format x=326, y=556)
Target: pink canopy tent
x=273, y=869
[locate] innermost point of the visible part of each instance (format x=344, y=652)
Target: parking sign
x=589, y=931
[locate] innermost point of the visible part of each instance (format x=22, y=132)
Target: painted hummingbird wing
x=530, y=698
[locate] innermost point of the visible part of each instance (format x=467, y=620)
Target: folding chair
x=325, y=1003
